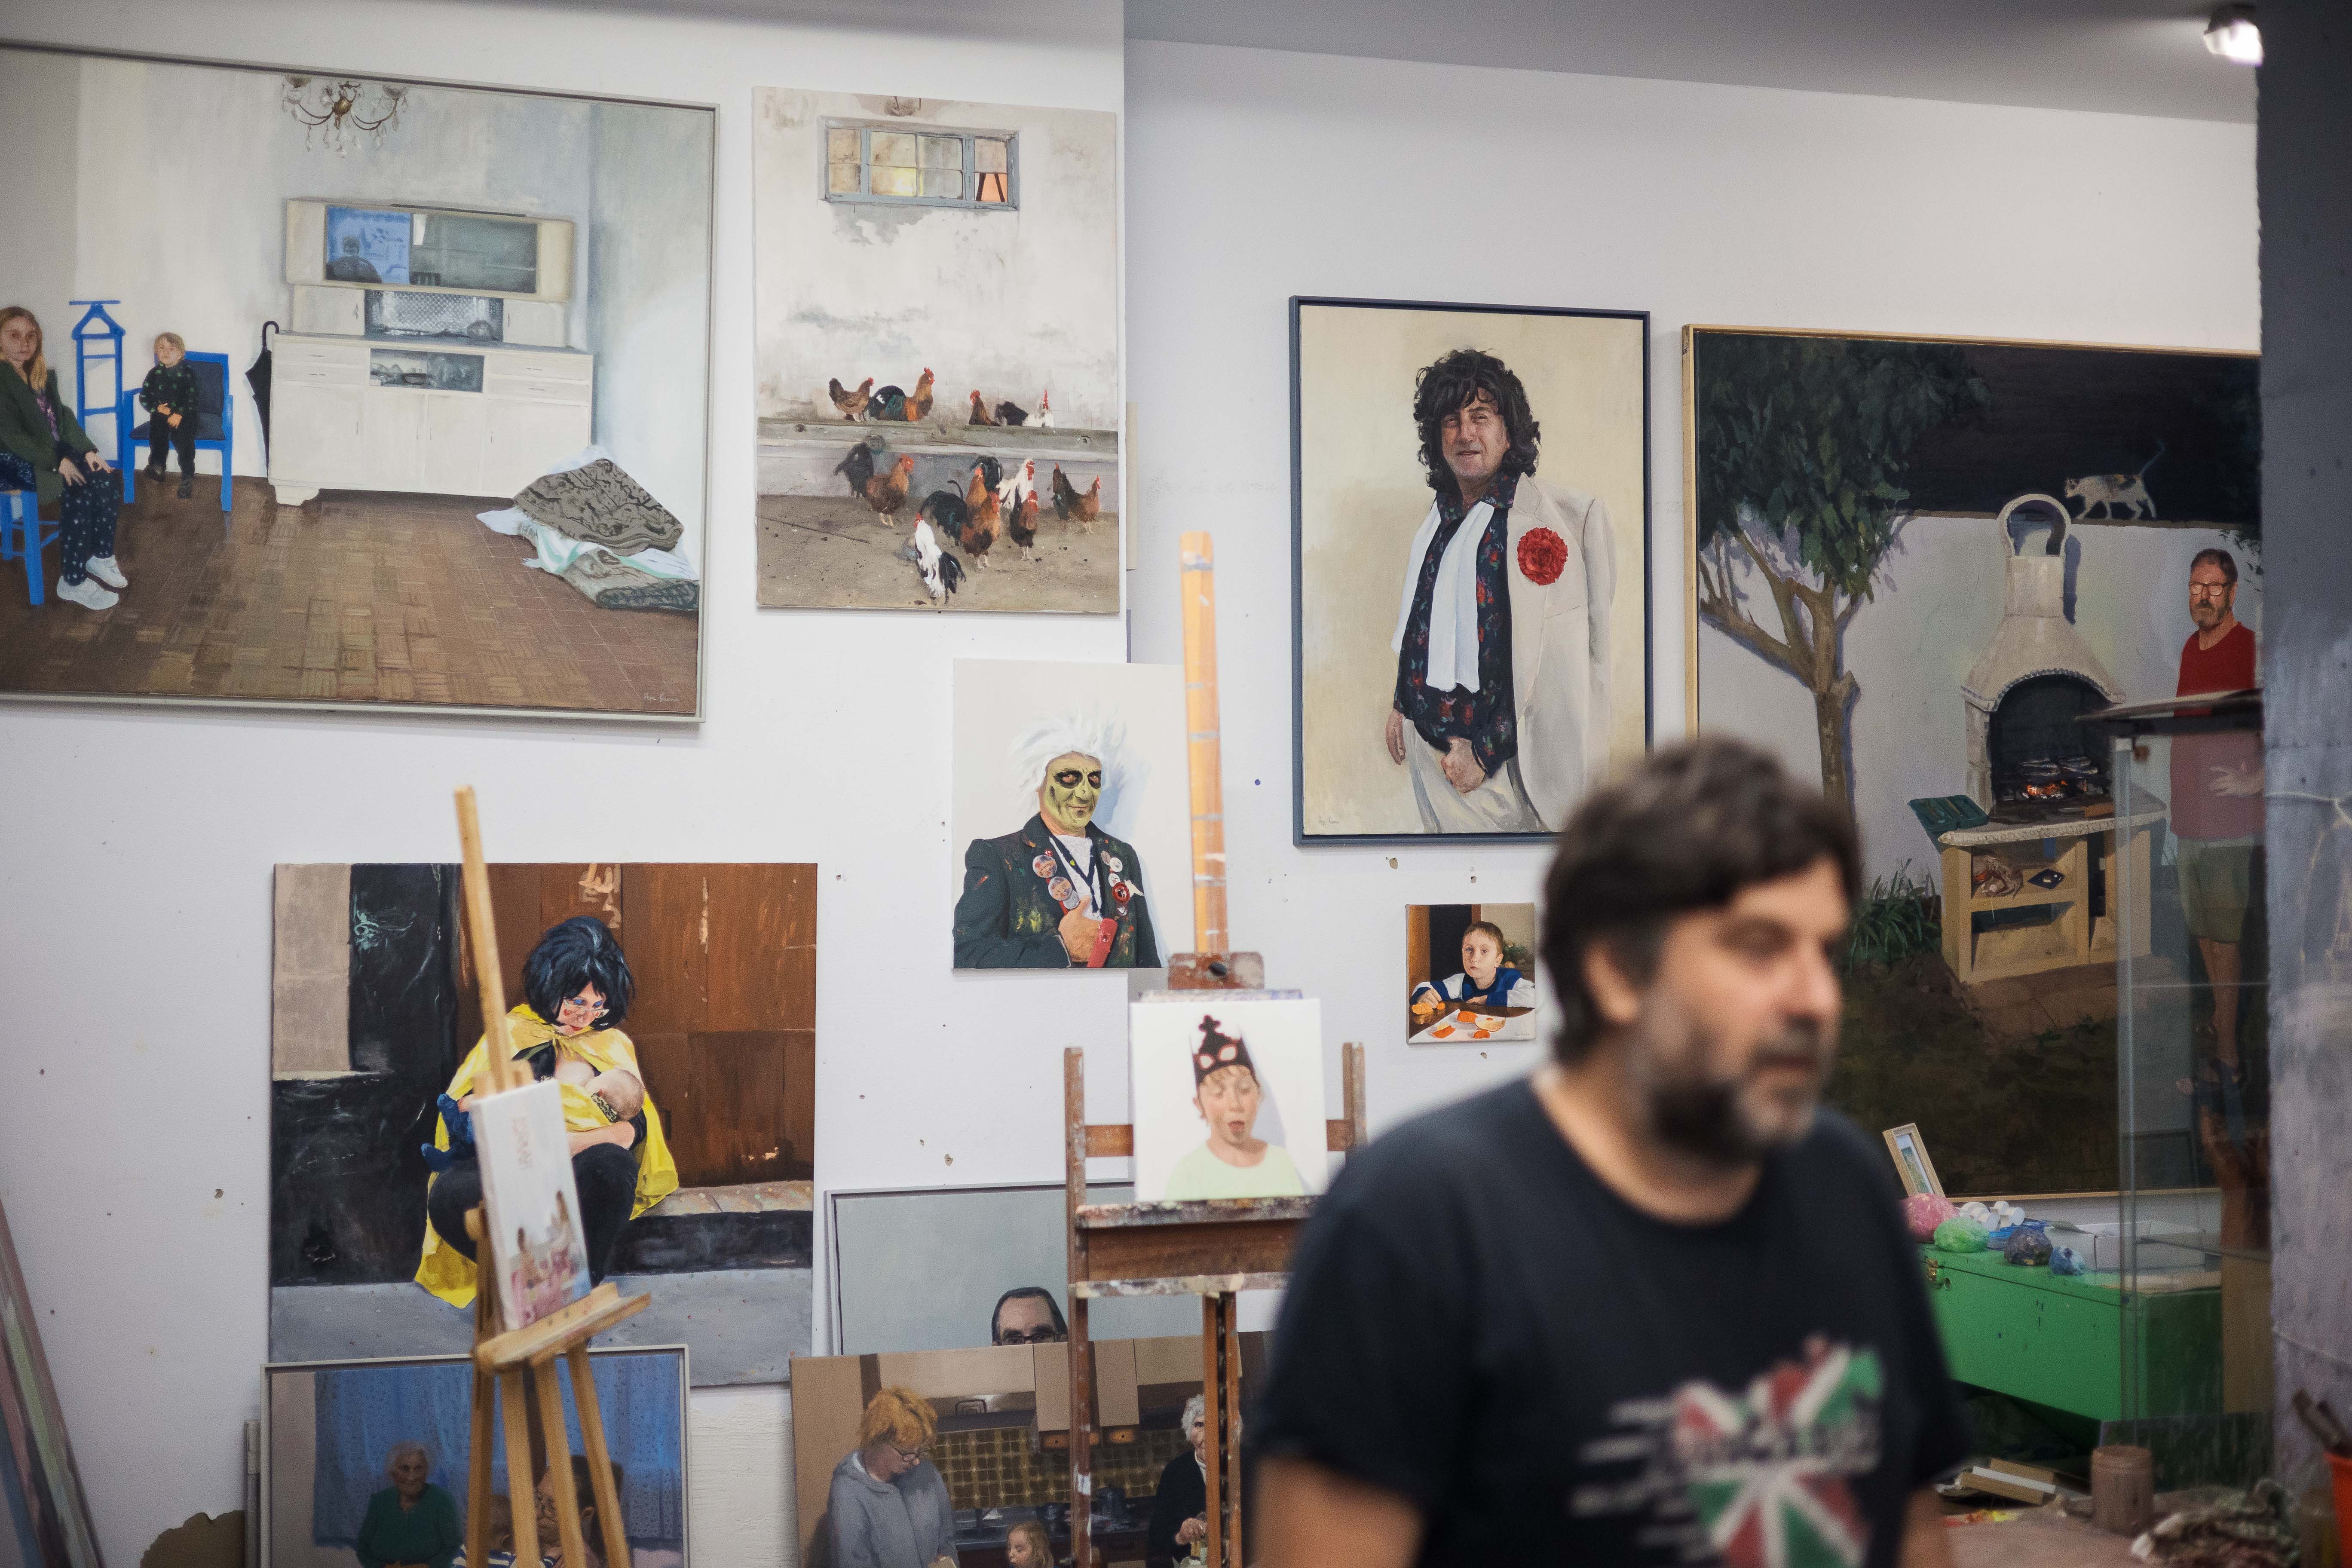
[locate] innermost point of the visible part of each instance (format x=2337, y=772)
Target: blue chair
x=23, y=535
x=215, y=423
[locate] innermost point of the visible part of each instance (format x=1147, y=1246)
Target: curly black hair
x=1453, y=381
x=576, y=953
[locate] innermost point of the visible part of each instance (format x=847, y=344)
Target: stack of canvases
x=598, y=530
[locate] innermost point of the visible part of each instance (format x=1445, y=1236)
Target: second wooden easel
x=1213, y=1250
x=515, y=1367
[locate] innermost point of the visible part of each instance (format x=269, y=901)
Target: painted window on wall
x=923, y=166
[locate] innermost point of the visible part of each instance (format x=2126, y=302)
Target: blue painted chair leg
x=130, y=469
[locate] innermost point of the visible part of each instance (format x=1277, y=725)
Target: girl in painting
x=576, y=989
x=43, y=449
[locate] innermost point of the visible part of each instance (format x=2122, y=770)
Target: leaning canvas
x=371, y=1461
x=1070, y=815
x=1228, y=1096
x=937, y=286
x=1464, y=674
x=1916, y=564
x=428, y=366
x=670, y=1009
x=529, y=1201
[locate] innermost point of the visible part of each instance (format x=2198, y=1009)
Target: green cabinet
x=2063, y=1341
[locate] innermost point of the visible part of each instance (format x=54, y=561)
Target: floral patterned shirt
x=1488, y=717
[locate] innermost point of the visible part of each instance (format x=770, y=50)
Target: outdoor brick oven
x=2023, y=698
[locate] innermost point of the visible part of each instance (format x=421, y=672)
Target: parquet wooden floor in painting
x=352, y=597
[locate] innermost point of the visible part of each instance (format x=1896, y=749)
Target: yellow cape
x=448, y=1273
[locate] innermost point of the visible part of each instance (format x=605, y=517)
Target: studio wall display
x=1469, y=973
x=1072, y=813
x=938, y=353
x=999, y=1451
x=370, y=1461
x=955, y=1268
x=449, y=382
x=1475, y=688
x=1914, y=565
x=688, y=1101
x=1228, y=1096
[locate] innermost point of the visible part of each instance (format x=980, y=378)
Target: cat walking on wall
x=2112, y=491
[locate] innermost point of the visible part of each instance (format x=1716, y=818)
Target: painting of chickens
x=937, y=354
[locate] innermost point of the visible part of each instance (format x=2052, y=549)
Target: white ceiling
x=2122, y=56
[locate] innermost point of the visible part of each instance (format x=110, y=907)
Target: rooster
x=1073, y=505
x=1024, y=526
x=991, y=473
x=1045, y=411
x=890, y=403
x=980, y=413
x=886, y=492
x=919, y=406
x=942, y=573
x=851, y=403
x=1011, y=413
x=973, y=531
x=858, y=468
x=978, y=487
x=1017, y=487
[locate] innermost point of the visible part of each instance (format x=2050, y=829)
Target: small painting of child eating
x=1492, y=996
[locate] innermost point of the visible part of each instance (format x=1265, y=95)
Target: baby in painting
x=1486, y=980
x=1235, y=1162
x=593, y=1099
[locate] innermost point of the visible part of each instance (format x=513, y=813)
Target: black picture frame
x=1299, y=303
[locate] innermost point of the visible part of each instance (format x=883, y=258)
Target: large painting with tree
x=1855, y=508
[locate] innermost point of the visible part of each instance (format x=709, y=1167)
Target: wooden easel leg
x=1229, y=1351
x=478, y=1468
x=559, y=1465
x=614, y=1527
x=1082, y=1439
x=1213, y=1425
x=514, y=1411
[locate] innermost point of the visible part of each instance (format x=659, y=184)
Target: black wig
x=1445, y=386
x=576, y=953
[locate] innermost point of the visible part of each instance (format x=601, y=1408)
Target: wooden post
x=1199, y=587
x=482, y=933
x=1229, y=1352
x=514, y=1405
x=478, y=1496
x=609, y=1522
x=1213, y=1424
x=559, y=1461
x=1082, y=1418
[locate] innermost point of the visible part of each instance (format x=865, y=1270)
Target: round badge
x=1120, y=892
x=1043, y=866
x=1115, y=863
x=1071, y=901
x=1060, y=888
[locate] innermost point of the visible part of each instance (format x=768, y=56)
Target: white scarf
x=1453, y=605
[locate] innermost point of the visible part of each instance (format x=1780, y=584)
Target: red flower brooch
x=1542, y=555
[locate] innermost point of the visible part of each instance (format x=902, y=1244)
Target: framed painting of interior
x=371, y=1461
x=938, y=353
x=993, y=1427
x=1914, y=565
x=1464, y=672
x=675, y=1005
x=44, y=1516
x=438, y=357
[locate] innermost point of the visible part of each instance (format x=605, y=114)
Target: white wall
x=135, y=862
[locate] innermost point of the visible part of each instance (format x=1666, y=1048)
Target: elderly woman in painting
x=1060, y=893
x=43, y=449
x=411, y=1523
x=576, y=990
x=888, y=1505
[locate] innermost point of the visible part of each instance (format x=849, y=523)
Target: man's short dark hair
x=1024, y=1293
x=2221, y=558
x=576, y=953
x=1450, y=383
x=1686, y=831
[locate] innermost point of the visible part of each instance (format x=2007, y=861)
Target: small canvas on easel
x=538, y=1256
x=1228, y=1092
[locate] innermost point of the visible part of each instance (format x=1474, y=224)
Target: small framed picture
x=1909, y=1152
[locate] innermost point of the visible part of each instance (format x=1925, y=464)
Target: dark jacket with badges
x=1009, y=917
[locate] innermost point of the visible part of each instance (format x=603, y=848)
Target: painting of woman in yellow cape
x=577, y=989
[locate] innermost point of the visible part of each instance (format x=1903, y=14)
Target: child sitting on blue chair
x=1484, y=980
x=172, y=396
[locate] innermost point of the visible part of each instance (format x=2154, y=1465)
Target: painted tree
x=1802, y=447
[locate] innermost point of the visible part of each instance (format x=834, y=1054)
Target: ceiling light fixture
x=2233, y=35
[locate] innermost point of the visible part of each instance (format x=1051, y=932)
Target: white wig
x=403, y=1451
x=1196, y=1410
x=1101, y=736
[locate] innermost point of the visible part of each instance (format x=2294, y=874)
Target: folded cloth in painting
x=642, y=577
x=595, y=500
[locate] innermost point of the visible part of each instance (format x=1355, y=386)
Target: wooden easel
x=1213, y=1250
x=520, y=1363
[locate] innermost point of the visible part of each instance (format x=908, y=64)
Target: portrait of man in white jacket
x=1500, y=710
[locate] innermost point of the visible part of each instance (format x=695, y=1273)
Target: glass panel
x=425, y=370
x=990, y=190
x=947, y=182
x=2193, y=1056
x=841, y=145
x=943, y=152
x=366, y=246
x=895, y=148
x=461, y=252
x=988, y=155
x=841, y=178
x=894, y=181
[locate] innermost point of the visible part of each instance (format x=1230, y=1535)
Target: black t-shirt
x=1478, y=1324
